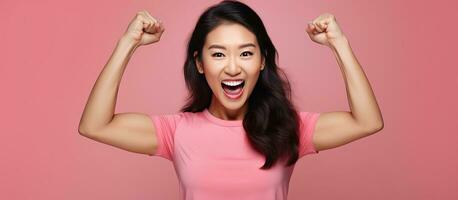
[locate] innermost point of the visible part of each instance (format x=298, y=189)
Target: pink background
x=52, y=52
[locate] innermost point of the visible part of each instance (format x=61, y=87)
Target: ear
x=263, y=64
x=198, y=63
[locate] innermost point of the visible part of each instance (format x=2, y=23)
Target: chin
x=232, y=104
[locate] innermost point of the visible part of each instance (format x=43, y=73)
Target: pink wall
x=52, y=52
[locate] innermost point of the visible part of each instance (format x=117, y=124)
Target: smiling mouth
x=232, y=88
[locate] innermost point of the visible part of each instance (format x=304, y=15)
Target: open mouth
x=232, y=86
x=233, y=89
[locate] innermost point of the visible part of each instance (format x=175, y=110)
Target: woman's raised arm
x=133, y=132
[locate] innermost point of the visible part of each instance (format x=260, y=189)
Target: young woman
x=238, y=136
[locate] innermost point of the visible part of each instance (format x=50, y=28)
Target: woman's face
x=231, y=63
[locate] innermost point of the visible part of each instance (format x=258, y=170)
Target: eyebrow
x=222, y=47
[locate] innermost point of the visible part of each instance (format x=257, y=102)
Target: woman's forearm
x=100, y=106
x=361, y=98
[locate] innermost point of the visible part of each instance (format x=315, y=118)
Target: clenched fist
x=144, y=29
x=324, y=30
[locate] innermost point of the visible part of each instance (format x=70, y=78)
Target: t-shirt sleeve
x=308, y=123
x=165, y=126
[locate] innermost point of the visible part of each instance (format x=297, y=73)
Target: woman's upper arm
x=132, y=132
x=334, y=129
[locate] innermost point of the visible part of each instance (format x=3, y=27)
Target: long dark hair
x=271, y=121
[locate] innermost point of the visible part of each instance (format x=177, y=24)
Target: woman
x=238, y=136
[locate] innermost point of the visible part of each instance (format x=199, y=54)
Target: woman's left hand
x=324, y=30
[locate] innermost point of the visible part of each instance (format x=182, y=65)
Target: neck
x=222, y=112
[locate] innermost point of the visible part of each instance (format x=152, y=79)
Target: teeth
x=232, y=83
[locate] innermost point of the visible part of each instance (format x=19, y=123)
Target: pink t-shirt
x=213, y=159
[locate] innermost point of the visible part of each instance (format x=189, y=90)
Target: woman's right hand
x=144, y=29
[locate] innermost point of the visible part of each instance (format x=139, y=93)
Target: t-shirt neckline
x=221, y=122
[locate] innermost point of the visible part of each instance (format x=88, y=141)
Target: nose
x=232, y=68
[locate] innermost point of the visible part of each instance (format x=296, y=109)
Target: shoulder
x=308, y=117
x=176, y=118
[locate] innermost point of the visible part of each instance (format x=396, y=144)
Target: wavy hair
x=271, y=121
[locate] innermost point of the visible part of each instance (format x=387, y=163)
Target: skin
x=129, y=131
x=334, y=129
x=136, y=133
x=230, y=52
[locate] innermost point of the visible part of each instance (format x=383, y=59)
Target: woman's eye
x=217, y=54
x=247, y=53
